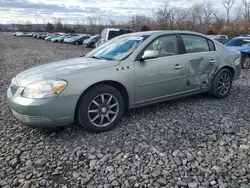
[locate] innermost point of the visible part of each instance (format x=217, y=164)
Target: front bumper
x=41, y=113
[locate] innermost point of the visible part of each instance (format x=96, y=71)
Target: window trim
x=213, y=45
x=184, y=48
x=180, y=50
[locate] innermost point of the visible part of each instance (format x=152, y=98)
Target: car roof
x=162, y=32
x=110, y=29
x=243, y=38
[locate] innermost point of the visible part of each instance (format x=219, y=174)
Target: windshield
x=117, y=49
x=239, y=42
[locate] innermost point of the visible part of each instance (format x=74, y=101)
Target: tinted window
x=223, y=37
x=195, y=44
x=114, y=33
x=211, y=45
x=166, y=45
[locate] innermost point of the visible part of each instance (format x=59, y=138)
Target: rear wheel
x=92, y=45
x=245, y=62
x=222, y=83
x=100, y=109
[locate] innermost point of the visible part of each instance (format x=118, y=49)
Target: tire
x=92, y=45
x=223, y=79
x=91, y=116
x=245, y=62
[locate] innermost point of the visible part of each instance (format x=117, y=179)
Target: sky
x=71, y=11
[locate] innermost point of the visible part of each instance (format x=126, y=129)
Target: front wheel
x=100, y=109
x=245, y=62
x=222, y=83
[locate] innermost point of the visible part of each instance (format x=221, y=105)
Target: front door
x=163, y=76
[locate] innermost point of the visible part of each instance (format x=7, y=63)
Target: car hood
x=62, y=69
x=240, y=48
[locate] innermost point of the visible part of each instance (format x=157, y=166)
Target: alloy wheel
x=224, y=84
x=103, y=110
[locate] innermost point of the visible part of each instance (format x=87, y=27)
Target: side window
x=211, y=45
x=194, y=44
x=166, y=45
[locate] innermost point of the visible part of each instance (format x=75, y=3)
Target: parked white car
x=110, y=33
x=60, y=38
x=24, y=34
x=218, y=36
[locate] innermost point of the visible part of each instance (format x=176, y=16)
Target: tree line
x=200, y=17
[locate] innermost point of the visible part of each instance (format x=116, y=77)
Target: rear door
x=202, y=60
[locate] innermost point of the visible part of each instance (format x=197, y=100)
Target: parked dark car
x=91, y=41
x=80, y=39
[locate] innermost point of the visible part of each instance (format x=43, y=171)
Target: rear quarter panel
x=228, y=57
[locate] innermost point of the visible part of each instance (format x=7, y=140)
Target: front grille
x=31, y=119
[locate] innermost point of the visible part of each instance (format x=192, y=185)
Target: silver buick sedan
x=128, y=71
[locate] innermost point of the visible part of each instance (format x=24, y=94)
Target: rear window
x=113, y=33
x=223, y=37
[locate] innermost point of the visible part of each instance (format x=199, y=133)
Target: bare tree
x=180, y=18
x=228, y=4
x=194, y=17
x=208, y=14
x=246, y=12
x=162, y=15
x=138, y=21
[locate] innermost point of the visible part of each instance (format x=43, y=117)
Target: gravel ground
x=193, y=142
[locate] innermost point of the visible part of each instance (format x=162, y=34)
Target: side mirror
x=150, y=54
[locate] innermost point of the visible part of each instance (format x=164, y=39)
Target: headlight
x=44, y=89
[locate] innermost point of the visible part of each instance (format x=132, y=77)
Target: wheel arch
x=120, y=87
x=230, y=69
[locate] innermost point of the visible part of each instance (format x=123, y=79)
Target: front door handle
x=177, y=66
x=213, y=61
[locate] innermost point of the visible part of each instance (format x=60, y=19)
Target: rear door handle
x=177, y=66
